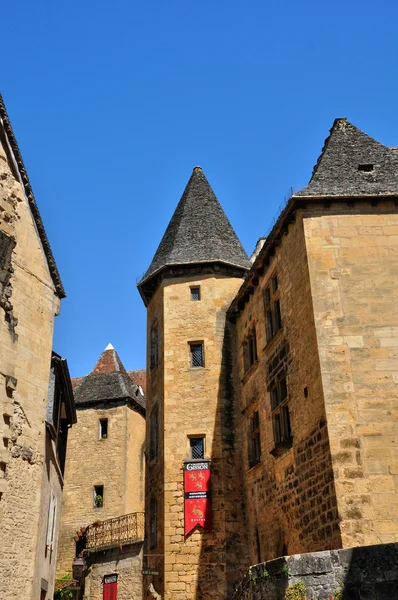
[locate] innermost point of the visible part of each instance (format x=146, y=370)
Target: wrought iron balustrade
x=115, y=532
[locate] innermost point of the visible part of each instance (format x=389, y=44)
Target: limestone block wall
x=92, y=461
x=291, y=503
x=198, y=401
x=366, y=572
x=126, y=562
x=353, y=264
x=28, y=306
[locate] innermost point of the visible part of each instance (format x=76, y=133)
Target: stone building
x=278, y=377
x=36, y=398
x=102, y=521
x=193, y=278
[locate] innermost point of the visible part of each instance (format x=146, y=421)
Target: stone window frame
x=197, y=436
x=154, y=434
x=192, y=344
x=272, y=309
x=280, y=415
x=154, y=345
x=195, y=291
x=103, y=432
x=254, y=438
x=249, y=349
x=153, y=523
x=96, y=495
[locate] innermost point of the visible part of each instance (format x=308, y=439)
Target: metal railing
x=115, y=532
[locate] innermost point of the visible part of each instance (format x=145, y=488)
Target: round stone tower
x=194, y=275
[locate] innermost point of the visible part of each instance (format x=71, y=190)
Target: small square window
x=103, y=429
x=197, y=446
x=98, y=496
x=197, y=359
x=195, y=293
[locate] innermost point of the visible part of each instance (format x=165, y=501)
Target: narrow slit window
x=153, y=524
x=365, y=168
x=154, y=358
x=197, y=445
x=103, y=429
x=154, y=433
x=254, y=439
x=195, y=294
x=98, y=496
x=197, y=359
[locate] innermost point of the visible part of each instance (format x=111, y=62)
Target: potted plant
x=98, y=501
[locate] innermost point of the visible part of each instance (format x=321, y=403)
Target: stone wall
x=353, y=264
x=367, y=573
x=126, y=562
x=290, y=496
x=115, y=462
x=28, y=305
x=196, y=402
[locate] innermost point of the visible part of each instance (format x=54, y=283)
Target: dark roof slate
x=31, y=200
x=107, y=382
x=199, y=232
x=343, y=168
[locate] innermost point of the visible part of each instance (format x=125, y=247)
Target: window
x=365, y=168
x=195, y=293
x=103, y=429
x=51, y=522
x=254, y=440
x=98, y=496
x=153, y=524
x=197, y=446
x=154, y=433
x=154, y=346
x=280, y=413
x=197, y=359
x=273, y=320
x=250, y=350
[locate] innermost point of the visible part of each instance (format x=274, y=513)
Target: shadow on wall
x=365, y=573
x=223, y=556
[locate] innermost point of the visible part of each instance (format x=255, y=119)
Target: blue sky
x=114, y=103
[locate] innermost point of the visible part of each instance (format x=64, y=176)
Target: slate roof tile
x=107, y=382
x=353, y=164
x=199, y=232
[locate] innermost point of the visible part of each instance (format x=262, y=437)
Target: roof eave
x=9, y=133
x=160, y=270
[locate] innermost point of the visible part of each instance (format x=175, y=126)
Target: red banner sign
x=197, y=499
x=110, y=587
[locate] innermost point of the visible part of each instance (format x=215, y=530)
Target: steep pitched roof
x=353, y=164
x=199, y=232
x=6, y=125
x=107, y=382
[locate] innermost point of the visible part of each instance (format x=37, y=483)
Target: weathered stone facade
x=30, y=474
x=116, y=463
x=104, y=479
x=125, y=562
x=305, y=370
x=366, y=572
x=296, y=486
x=198, y=565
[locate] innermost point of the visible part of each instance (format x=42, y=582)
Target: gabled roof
x=353, y=164
x=6, y=126
x=199, y=232
x=108, y=382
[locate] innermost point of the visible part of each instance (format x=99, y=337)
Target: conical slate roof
x=107, y=382
x=353, y=164
x=199, y=232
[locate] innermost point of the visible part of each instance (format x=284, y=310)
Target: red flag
x=197, y=498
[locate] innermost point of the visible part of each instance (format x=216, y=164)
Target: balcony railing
x=115, y=532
